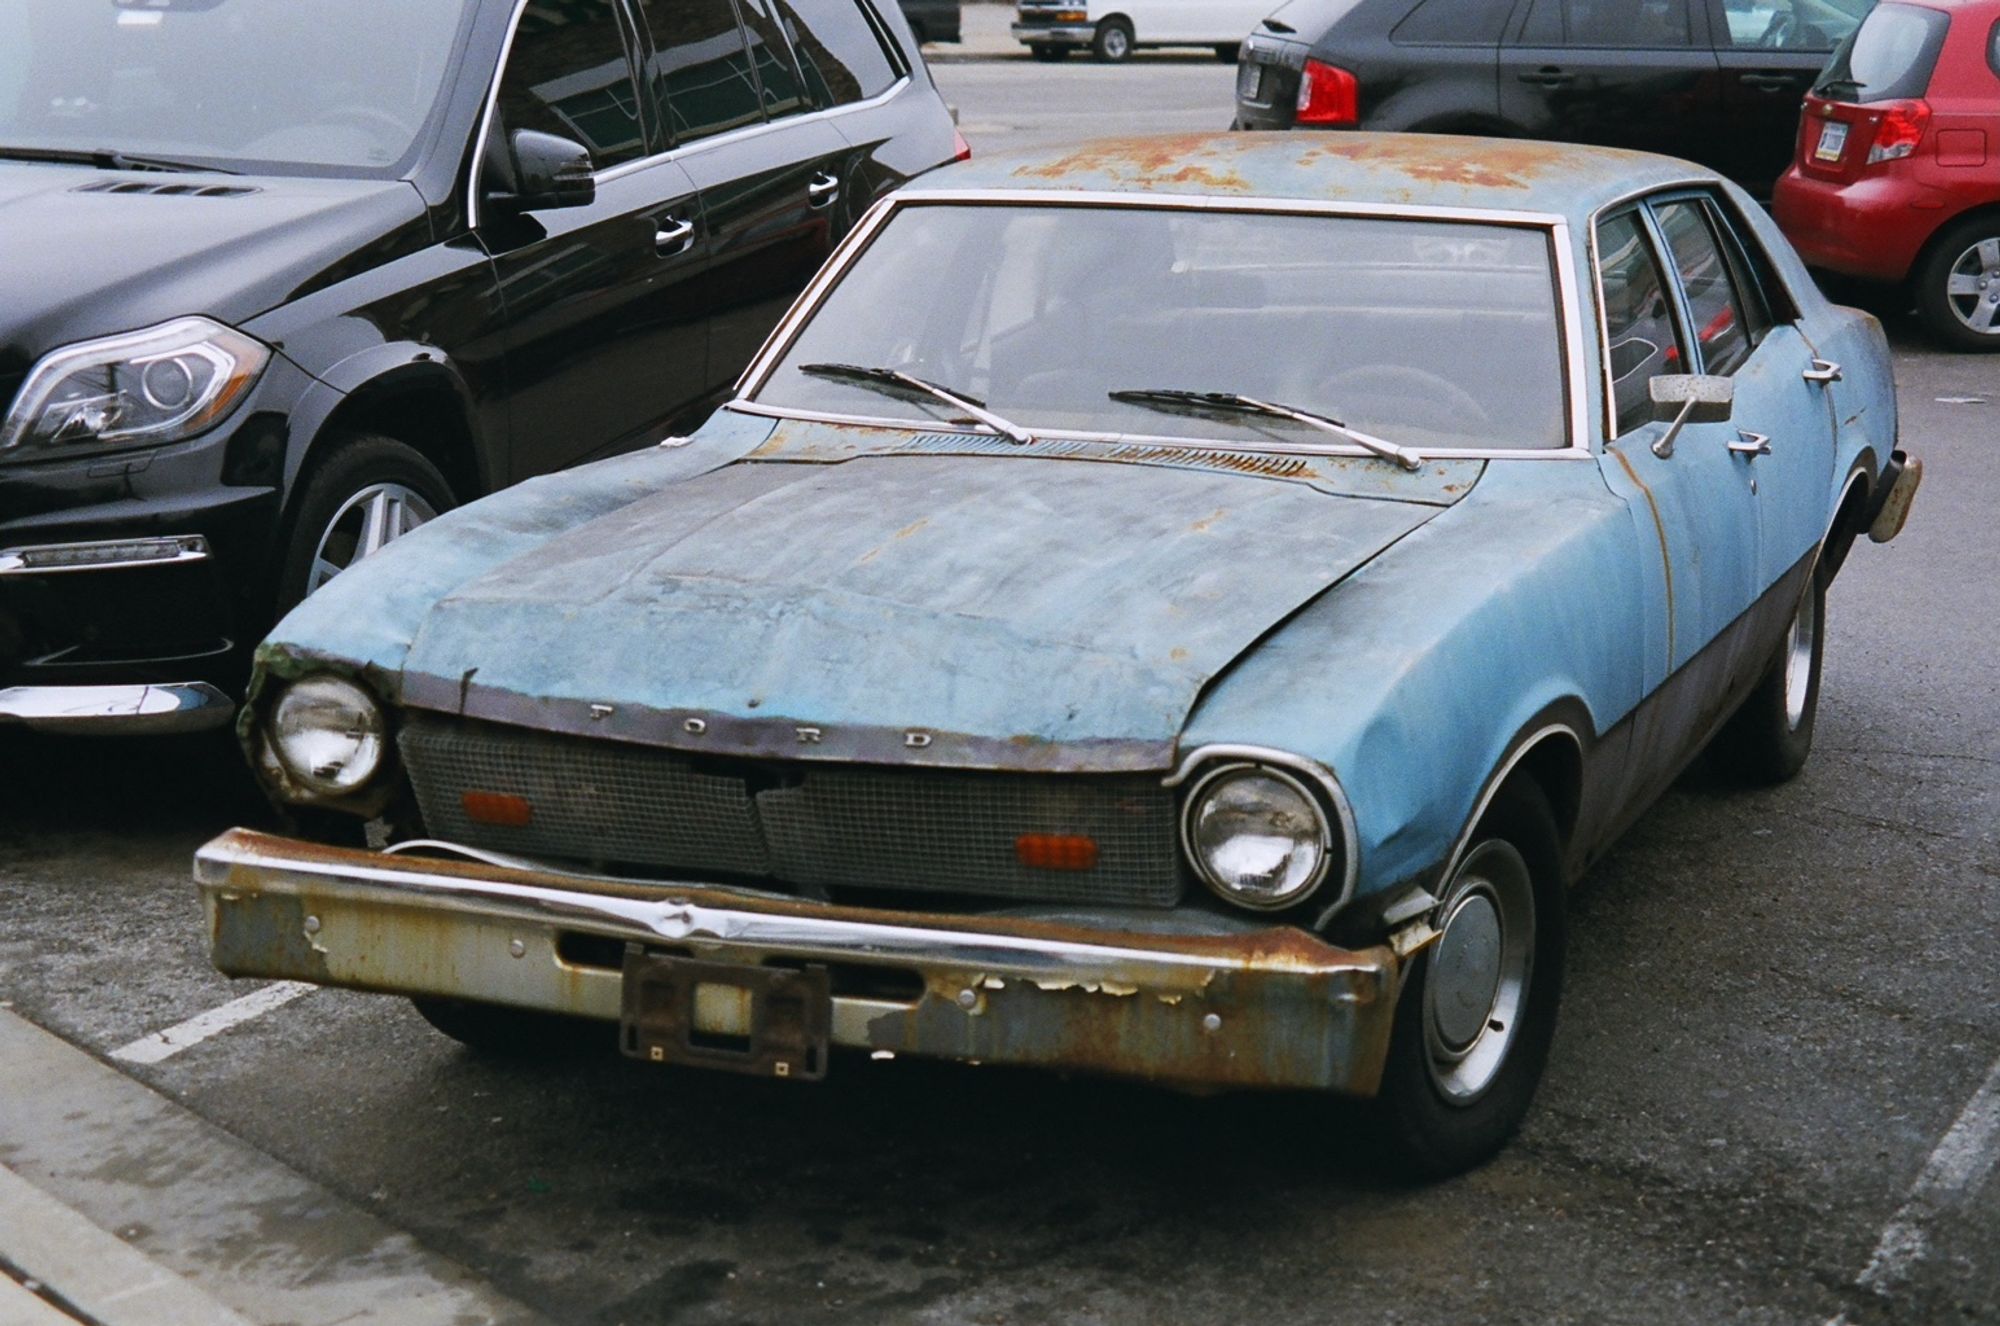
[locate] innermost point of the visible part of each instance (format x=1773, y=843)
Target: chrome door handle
x=1823, y=370
x=1750, y=444
x=674, y=238
x=821, y=189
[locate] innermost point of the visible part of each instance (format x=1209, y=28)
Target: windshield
x=1430, y=334
x=1889, y=57
x=323, y=86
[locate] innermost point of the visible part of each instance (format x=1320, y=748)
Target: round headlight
x=328, y=733
x=1256, y=836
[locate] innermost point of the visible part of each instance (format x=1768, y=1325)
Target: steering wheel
x=1439, y=398
x=372, y=119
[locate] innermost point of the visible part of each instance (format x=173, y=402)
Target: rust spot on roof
x=1438, y=159
x=1176, y=159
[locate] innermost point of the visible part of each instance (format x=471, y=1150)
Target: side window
x=1453, y=23
x=842, y=57
x=701, y=67
x=1628, y=23
x=1638, y=318
x=778, y=74
x=1720, y=327
x=1545, y=24
x=1789, y=25
x=569, y=74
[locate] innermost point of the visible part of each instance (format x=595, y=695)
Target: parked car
x=1229, y=705
x=1714, y=81
x=932, y=20
x=1898, y=171
x=283, y=281
x=1112, y=29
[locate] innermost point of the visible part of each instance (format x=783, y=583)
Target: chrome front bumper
x=1066, y=34
x=117, y=710
x=1270, y=1008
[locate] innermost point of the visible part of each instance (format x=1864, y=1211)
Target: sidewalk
x=120, y=1208
x=984, y=35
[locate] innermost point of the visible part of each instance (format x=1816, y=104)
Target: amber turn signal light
x=1056, y=851
x=501, y=808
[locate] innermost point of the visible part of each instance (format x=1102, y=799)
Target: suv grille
x=816, y=825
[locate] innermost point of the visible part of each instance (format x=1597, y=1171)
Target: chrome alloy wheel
x=1972, y=289
x=1800, y=645
x=377, y=515
x=1479, y=969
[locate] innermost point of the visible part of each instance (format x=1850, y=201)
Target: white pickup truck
x=1112, y=29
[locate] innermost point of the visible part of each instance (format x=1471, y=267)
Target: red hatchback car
x=1897, y=169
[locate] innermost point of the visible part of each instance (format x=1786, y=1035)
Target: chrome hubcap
x=377, y=515
x=1973, y=288
x=1478, y=979
x=1799, y=642
x=1114, y=43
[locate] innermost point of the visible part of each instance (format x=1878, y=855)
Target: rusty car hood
x=971, y=610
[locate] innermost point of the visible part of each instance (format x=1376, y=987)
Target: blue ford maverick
x=1184, y=608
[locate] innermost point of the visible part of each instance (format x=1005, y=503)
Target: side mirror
x=1681, y=399
x=549, y=171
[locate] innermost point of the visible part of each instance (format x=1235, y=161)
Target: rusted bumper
x=1270, y=1008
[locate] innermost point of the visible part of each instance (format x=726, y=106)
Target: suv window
x=1789, y=25
x=778, y=73
x=701, y=67
x=1614, y=23
x=1453, y=23
x=837, y=46
x=1721, y=328
x=1889, y=57
x=569, y=73
x=1638, y=319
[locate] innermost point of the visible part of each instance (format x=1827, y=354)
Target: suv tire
x=1113, y=42
x=366, y=489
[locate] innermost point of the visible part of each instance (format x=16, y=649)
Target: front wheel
x=1113, y=42
x=366, y=493
x=1957, y=287
x=1478, y=1009
x=1767, y=740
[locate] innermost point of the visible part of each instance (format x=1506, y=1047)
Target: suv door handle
x=1751, y=444
x=1547, y=77
x=674, y=238
x=822, y=189
x=1822, y=370
x=1771, y=82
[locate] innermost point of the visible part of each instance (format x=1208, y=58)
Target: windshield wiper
x=1853, y=84
x=105, y=159
x=1229, y=402
x=896, y=377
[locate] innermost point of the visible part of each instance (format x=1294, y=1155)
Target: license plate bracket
x=766, y=1021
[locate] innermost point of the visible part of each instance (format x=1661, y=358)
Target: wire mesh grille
x=819, y=825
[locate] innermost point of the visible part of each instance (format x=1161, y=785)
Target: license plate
x=1249, y=81
x=767, y=1021
x=1832, y=139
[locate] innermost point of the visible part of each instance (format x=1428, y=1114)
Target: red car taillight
x=1328, y=95
x=960, y=149
x=1902, y=128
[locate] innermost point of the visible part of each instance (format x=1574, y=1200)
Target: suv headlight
x=330, y=735
x=136, y=389
x=1257, y=835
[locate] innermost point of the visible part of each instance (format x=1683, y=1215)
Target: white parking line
x=159, y=1045
x=1959, y=1161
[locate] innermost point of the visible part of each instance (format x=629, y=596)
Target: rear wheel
x=1478, y=1009
x=1767, y=740
x=1113, y=42
x=1227, y=52
x=1957, y=286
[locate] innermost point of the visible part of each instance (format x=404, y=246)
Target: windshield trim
x=1579, y=442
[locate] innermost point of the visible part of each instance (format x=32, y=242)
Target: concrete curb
x=206, y=1226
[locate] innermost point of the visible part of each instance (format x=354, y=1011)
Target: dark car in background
x=932, y=20
x=282, y=279
x=1898, y=171
x=1714, y=81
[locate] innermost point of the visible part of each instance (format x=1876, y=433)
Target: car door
x=1614, y=73
x=1769, y=52
x=1695, y=500
x=606, y=342
x=741, y=111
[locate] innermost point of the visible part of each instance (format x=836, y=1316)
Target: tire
x=1957, y=285
x=516, y=1033
x=1463, y=1064
x=362, y=479
x=1048, y=52
x=1766, y=741
x=1228, y=51
x=1113, y=42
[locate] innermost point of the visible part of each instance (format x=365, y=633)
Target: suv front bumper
x=1275, y=1007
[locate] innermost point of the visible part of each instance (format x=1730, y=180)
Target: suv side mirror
x=1686, y=398
x=548, y=171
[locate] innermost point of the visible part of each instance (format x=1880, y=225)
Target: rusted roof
x=1438, y=170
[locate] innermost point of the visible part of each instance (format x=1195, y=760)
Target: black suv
x=281, y=279
x=1714, y=81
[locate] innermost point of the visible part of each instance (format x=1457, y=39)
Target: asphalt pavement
x=1774, y=1094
